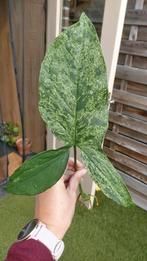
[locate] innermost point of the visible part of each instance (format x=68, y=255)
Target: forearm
x=30, y=250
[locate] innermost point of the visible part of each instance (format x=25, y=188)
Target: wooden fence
x=126, y=139
x=22, y=48
x=22, y=39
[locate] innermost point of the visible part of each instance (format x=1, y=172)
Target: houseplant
x=9, y=133
x=74, y=104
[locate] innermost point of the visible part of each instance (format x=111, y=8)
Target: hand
x=56, y=206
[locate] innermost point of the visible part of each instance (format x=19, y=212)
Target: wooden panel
x=28, y=31
x=131, y=74
x=127, y=98
x=129, y=171
x=126, y=161
x=132, y=133
x=138, y=199
x=128, y=122
x=16, y=22
x=8, y=92
x=136, y=17
x=136, y=184
x=129, y=152
x=135, y=113
x=139, y=62
x=127, y=143
x=34, y=48
x=134, y=48
x=137, y=88
x=142, y=33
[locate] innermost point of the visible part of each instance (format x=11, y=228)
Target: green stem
x=75, y=166
x=75, y=158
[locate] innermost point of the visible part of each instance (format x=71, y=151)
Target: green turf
x=106, y=233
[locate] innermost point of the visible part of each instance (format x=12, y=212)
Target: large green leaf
x=39, y=173
x=74, y=100
x=74, y=105
x=106, y=176
x=73, y=86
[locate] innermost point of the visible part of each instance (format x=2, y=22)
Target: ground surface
x=107, y=233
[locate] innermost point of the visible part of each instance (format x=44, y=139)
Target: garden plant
x=9, y=133
x=74, y=102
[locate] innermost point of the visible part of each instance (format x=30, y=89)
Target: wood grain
x=28, y=32
x=128, y=122
x=128, y=143
x=131, y=74
x=8, y=91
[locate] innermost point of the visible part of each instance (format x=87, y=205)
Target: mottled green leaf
x=74, y=105
x=39, y=173
x=73, y=86
x=106, y=176
x=74, y=100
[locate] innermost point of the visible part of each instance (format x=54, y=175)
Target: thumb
x=75, y=180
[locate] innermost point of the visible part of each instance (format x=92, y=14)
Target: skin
x=56, y=206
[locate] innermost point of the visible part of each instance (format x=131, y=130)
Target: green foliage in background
x=74, y=105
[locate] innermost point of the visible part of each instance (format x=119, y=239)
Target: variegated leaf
x=106, y=176
x=74, y=101
x=73, y=86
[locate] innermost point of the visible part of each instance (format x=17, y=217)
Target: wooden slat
x=127, y=142
x=125, y=160
x=142, y=34
x=132, y=133
x=135, y=113
x=129, y=171
x=136, y=17
x=138, y=48
x=136, y=88
x=34, y=49
x=138, y=199
x=28, y=31
x=140, y=157
x=131, y=74
x=128, y=122
x=133, y=17
x=139, y=62
x=133, y=100
x=133, y=183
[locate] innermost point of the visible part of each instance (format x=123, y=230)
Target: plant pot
x=27, y=146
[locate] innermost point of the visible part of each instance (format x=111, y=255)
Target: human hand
x=56, y=206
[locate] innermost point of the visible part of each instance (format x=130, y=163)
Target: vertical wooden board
x=28, y=32
x=16, y=21
x=8, y=91
x=34, y=48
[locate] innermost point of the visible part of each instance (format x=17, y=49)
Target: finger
x=71, y=164
x=75, y=180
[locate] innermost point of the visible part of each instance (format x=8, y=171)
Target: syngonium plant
x=74, y=105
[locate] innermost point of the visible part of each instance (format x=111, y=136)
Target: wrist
x=56, y=231
x=39, y=231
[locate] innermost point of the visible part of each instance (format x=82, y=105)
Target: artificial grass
x=106, y=233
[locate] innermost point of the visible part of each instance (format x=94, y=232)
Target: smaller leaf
x=39, y=173
x=106, y=176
